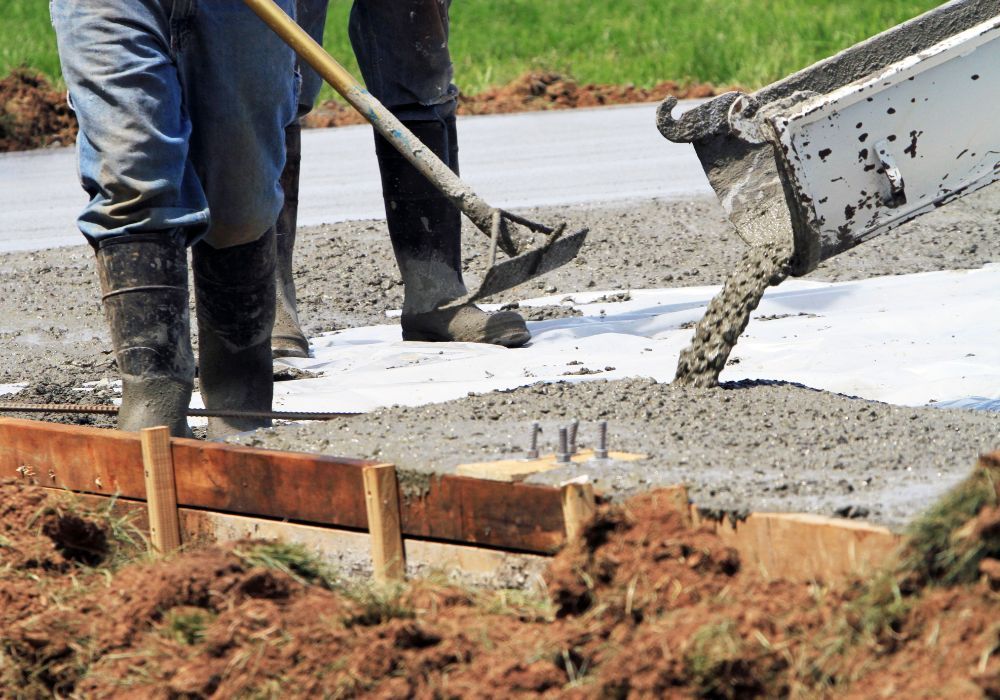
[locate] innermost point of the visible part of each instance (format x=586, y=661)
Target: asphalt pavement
x=608, y=154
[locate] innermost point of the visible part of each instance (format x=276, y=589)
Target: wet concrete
x=728, y=314
x=757, y=447
x=741, y=447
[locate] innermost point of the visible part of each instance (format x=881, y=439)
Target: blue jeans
x=312, y=18
x=182, y=107
x=402, y=49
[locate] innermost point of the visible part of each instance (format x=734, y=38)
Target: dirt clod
x=641, y=606
x=76, y=538
x=33, y=114
x=534, y=91
x=990, y=568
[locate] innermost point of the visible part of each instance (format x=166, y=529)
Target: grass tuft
x=526, y=606
x=186, y=625
x=721, y=664
x=292, y=559
x=378, y=604
x=947, y=543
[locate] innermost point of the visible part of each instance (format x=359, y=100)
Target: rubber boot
x=144, y=285
x=235, y=298
x=426, y=233
x=287, y=338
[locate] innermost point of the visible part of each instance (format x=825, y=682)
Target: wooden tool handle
x=384, y=121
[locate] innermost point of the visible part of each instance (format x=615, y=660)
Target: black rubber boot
x=426, y=233
x=234, y=293
x=287, y=338
x=144, y=285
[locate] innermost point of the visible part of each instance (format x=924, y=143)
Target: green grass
x=290, y=558
x=751, y=42
x=746, y=42
x=939, y=550
x=26, y=37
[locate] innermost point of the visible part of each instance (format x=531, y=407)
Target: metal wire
x=107, y=409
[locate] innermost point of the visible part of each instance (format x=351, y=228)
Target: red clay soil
x=533, y=92
x=33, y=114
x=644, y=607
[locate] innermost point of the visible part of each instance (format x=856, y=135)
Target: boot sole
x=289, y=346
x=512, y=339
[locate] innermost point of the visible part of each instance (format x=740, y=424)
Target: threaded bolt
x=533, y=451
x=602, y=440
x=573, y=427
x=562, y=457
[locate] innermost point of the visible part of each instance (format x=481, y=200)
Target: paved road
x=521, y=160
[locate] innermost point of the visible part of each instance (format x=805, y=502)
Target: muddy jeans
x=402, y=49
x=182, y=108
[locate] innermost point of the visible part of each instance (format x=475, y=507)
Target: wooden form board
x=793, y=546
x=347, y=551
x=301, y=487
x=805, y=547
x=521, y=469
x=326, y=491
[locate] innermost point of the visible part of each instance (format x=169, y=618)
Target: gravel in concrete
x=753, y=447
x=741, y=447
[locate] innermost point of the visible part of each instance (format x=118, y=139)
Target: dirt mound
x=547, y=90
x=533, y=92
x=643, y=606
x=33, y=114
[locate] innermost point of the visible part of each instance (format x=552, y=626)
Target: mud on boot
x=287, y=338
x=234, y=291
x=426, y=233
x=144, y=286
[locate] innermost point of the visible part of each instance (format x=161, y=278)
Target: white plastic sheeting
x=910, y=340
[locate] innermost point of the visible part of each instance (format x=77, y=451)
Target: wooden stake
x=161, y=490
x=579, y=506
x=382, y=502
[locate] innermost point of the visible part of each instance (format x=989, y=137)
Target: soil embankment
x=641, y=607
x=537, y=91
x=34, y=115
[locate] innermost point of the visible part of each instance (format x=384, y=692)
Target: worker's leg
x=239, y=85
x=234, y=292
x=287, y=338
x=145, y=200
x=144, y=285
x=311, y=17
x=402, y=47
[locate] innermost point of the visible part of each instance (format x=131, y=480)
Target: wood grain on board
x=805, y=547
x=521, y=469
x=293, y=486
x=329, y=491
x=382, y=501
x=348, y=551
